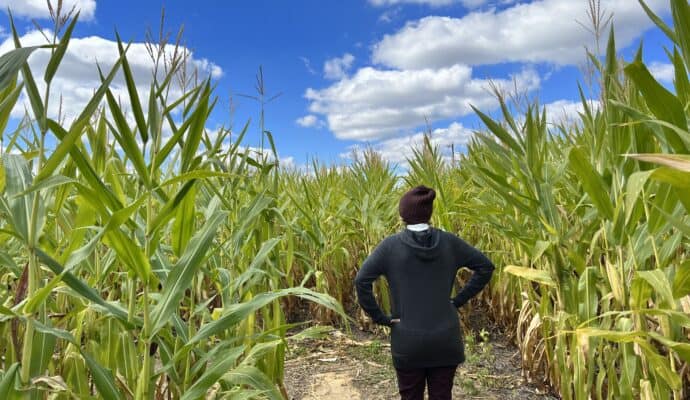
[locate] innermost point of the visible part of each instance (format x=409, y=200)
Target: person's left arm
x=373, y=267
x=482, y=269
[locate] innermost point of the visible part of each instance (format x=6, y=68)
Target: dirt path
x=359, y=367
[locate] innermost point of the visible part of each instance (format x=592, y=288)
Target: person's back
x=420, y=264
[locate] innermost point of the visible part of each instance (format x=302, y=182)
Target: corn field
x=143, y=257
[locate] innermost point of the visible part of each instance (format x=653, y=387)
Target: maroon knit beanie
x=416, y=205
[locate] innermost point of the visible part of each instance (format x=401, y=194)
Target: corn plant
x=596, y=234
x=138, y=255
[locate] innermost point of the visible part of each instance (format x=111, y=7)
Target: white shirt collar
x=418, y=227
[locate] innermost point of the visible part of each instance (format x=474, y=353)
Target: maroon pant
x=411, y=383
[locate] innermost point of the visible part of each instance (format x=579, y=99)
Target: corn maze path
x=358, y=367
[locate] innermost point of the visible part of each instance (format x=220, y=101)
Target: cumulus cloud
x=663, y=72
x=390, y=15
x=39, y=8
x=432, y=3
x=541, y=31
x=307, y=65
x=375, y=104
x=308, y=121
x=567, y=111
x=336, y=68
x=77, y=77
x=398, y=150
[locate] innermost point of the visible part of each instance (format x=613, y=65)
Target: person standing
x=420, y=264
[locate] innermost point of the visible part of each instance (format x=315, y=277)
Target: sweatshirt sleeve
x=482, y=269
x=373, y=267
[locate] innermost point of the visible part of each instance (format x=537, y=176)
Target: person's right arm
x=482, y=269
x=373, y=267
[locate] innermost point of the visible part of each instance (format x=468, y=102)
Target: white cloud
x=77, y=77
x=307, y=65
x=540, y=31
x=567, y=111
x=390, y=15
x=398, y=150
x=374, y=104
x=309, y=121
x=663, y=72
x=336, y=68
x=39, y=8
x=432, y=3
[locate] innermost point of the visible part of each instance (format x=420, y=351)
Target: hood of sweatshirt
x=424, y=243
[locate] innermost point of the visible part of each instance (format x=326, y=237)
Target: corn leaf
x=180, y=277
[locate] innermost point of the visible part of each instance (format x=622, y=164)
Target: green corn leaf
x=58, y=155
x=129, y=252
x=659, y=365
x=661, y=102
x=659, y=22
x=681, y=81
x=95, y=101
x=681, y=282
x=680, y=10
x=196, y=129
x=155, y=122
x=3, y=176
x=8, y=100
x=7, y=261
x=29, y=82
x=12, y=62
x=60, y=50
x=103, y=378
x=35, y=299
x=657, y=279
x=611, y=71
x=168, y=210
x=42, y=349
x=126, y=138
x=592, y=182
x=196, y=174
x=499, y=131
x=132, y=91
x=675, y=221
x=253, y=377
x=682, y=349
x=236, y=313
x=18, y=180
x=587, y=294
x=101, y=193
x=633, y=189
x=180, y=277
x=7, y=381
x=68, y=141
x=256, y=263
x=48, y=183
x=679, y=180
x=82, y=289
x=55, y=332
x=213, y=373
x=184, y=224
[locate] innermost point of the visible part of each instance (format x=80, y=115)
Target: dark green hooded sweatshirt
x=420, y=268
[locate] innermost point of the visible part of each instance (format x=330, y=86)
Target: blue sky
x=358, y=72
